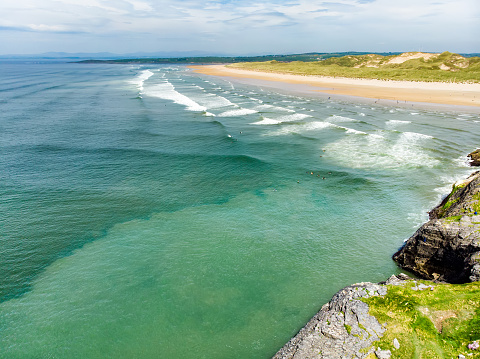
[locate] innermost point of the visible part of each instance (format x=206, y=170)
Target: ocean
x=151, y=212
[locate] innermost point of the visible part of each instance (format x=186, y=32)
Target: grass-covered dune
x=410, y=66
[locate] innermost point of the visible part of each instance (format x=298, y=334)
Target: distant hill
x=307, y=57
x=409, y=66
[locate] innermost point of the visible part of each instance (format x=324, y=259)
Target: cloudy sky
x=238, y=26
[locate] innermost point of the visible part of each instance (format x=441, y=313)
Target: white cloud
x=48, y=28
x=141, y=6
x=256, y=26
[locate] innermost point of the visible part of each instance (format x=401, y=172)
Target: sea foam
x=303, y=128
x=139, y=80
x=281, y=119
x=237, y=112
x=212, y=101
x=392, y=123
x=337, y=118
x=167, y=91
x=406, y=149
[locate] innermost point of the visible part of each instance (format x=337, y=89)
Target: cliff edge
x=447, y=247
x=403, y=317
x=343, y=328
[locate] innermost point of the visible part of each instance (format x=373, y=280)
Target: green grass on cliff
x=445, y=67
x=429, y=324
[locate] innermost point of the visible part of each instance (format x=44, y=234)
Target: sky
x=238, y=27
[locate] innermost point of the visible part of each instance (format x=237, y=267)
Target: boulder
x=383, y=354
x=474, y=158
x=447, y=247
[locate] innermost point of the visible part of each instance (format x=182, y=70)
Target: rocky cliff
x=445, y=316
x=343, y=327
x=447, y=247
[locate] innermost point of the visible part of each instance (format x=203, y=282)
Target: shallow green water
x=157, y=213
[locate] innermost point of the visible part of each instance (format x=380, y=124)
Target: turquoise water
x=149, y=212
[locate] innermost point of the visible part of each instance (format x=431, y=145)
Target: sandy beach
x=400, y=91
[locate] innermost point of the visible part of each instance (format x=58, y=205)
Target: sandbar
x=459, y=94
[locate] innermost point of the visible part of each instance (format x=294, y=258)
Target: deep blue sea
x=151, y=212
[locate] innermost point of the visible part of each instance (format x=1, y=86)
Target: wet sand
x=457, y=94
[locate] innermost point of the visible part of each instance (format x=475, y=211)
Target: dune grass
x=429, y=324
x=445, y=67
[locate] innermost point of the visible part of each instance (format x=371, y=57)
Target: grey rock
x=398, y=279
x=422, y=286
x=396, y=344
x=447, y=248
x=341, y=329
x=383, y=354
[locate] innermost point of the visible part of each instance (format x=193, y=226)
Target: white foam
x=266, y=121
x=274, y=108
x=316, y=125
x=446, y=187
x=238, y=112
x=303, y=128
x=265, y=106
x=418, y=218
x=375, y=151
x=293, y=117
x=353, y=131
x=413, y=136
x=282, y=119
x=212, y=101
x=167, y=91
x=393, y=124
x=337, y=118
x=397, y=122
x=462, y=161
x=140, y=79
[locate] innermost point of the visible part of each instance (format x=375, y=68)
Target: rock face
x=341, y=329
x=474, y=158
x=447, y=248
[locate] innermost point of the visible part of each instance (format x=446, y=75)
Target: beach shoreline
x=391, y=92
